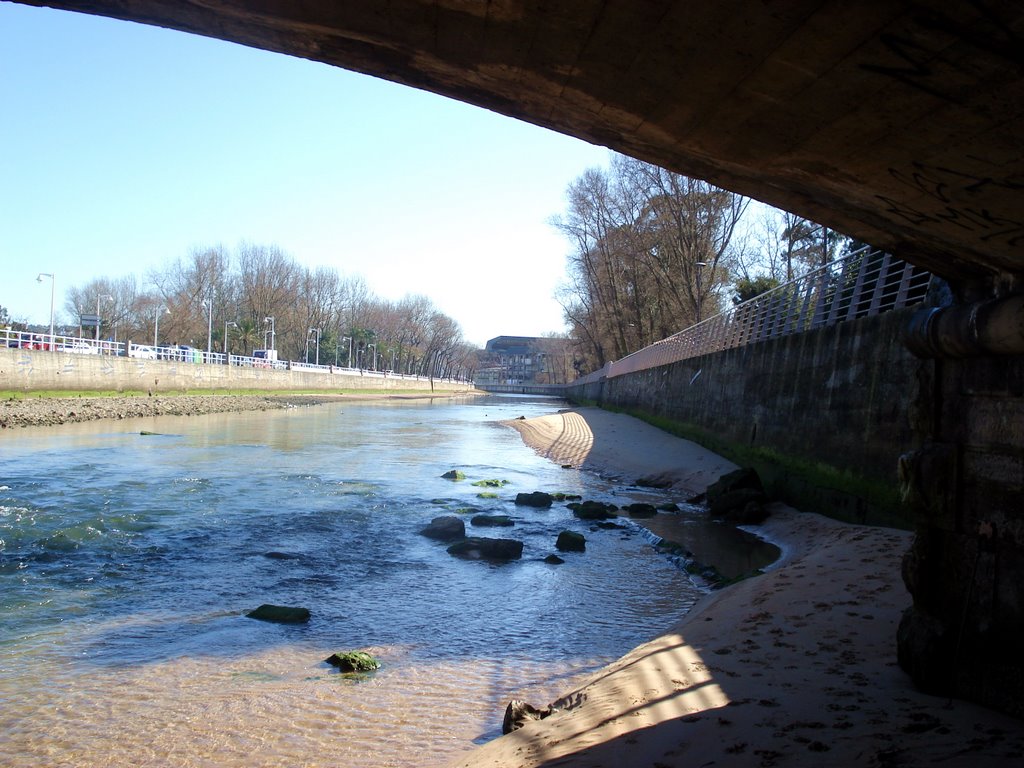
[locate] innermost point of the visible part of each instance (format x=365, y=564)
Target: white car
x=80, y=348
x=142, y=352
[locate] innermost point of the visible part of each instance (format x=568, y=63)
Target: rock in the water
x=593, y=510
x=641, y=510
x=445, y=528
x=492, y=520
x=743, y=506
x=280, y=556
x=553, y=560
x=566, y=496
x=282, y=614
x=487, y=549
x=537, y=499
x=656, y=481
x=738, y=497
x=518, y=713
x=668, y=506
x=570, y=541
x=353, y=661
x=454, y=474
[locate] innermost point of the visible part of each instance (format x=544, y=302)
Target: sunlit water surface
x=128, y=560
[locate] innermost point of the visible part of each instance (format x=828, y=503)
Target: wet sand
x=48, y=411
x=795, y=667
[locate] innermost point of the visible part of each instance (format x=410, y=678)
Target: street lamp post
x=228, y=324
x=348, y=360
x=700, y=270
x=272, y=331
x=374, y=355
x=317, y=332
x=209, y=326
x=53, y=283
x=156, y=325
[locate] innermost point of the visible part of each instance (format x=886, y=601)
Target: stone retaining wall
x=27, y=370
x=823, y=415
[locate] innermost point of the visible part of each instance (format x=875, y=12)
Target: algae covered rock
x=537, y=499
x=445, y=528
x=738, y=497
x=490, y=483
x=593, y=510
x=454, y=474
x=280, y=614
x=641, y=510
x=353, y=661
x=570, y=541
x=487, y=549
x=492, y=521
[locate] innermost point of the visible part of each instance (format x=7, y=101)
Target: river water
x=128, y=560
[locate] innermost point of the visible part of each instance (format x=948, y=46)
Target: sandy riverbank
x=795, y=667
x=48, y=411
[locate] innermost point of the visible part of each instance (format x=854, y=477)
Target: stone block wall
x=823, y=415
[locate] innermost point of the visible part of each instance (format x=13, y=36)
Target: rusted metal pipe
x=993, y=327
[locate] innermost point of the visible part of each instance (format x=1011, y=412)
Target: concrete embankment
x=33, y=370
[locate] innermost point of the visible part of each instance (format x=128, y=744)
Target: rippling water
x=127, y=562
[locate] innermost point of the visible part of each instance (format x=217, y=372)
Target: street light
x=156, y=325
x=209, y=325
x=98, y=322
x=348, y=360
x=374, y=355
x=272, y=331
x=700, y=269
x=227, y=324
x=317, y=332
x=53, y=283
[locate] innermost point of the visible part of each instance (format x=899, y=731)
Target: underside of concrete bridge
x=899, y=123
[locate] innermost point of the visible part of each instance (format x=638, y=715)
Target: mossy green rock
x=593, y=510
x=446, y=528
x=487, y=549
x=454, y=474
x=281, y=614
x=490, y=483
x=353, y=661
x=492, y=520
x=641, y=510
x=570, y=541
x=487, y=495
x=566, y=496
x=537, y=499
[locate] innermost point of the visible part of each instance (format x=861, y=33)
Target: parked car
x=142, y=351
x=36, y=341
x=79, y=348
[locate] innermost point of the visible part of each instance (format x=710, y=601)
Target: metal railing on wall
x=183, y=354
x=864, y=283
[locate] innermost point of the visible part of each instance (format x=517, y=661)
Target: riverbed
x=132, y=550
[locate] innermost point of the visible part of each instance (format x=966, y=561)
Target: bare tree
x=650, y=252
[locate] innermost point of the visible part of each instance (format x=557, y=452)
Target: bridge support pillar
x=964, y=635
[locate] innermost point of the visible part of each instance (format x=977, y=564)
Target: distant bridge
x=546, y=390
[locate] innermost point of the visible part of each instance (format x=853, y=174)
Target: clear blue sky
x=122, y=147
